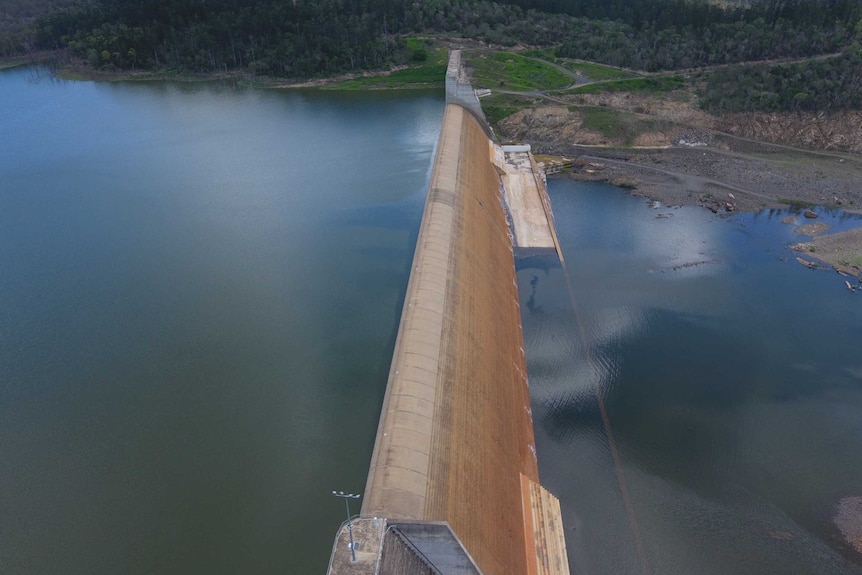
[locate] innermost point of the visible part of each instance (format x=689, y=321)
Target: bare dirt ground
x=840, y=250
x=728, y=180
x=669, y=151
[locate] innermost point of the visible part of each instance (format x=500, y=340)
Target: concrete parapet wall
x=398, y=558
x=455, y=433
x=459, y=90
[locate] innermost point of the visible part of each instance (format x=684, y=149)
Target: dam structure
x=453, y=485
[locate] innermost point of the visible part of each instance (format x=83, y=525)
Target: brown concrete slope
x=455, y=432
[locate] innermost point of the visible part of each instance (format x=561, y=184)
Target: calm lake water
x=199, y=293
x=199, y=290
x=732, y=378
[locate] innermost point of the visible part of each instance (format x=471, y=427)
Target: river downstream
x=199, y=296
x=732, y=381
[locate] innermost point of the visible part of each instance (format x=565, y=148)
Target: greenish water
x=199, y=293
x=732, y=378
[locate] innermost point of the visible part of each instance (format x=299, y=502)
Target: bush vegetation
x=827, y=84
x=306, y=39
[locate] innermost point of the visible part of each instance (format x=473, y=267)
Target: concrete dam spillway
x=453, y=484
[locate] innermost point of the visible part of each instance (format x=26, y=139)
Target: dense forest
x=304, y=38
x=274, y=37
x=653, y=49
x=823, y=84
x=18, y=18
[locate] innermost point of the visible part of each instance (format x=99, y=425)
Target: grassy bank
x=499, y=106
x=11, y=64
x=510, y=71
x=427, y=69
x=655, y=86
x=587, y=70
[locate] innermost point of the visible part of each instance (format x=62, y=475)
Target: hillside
x=19, y=20
x=304, y=39
x=655, y=135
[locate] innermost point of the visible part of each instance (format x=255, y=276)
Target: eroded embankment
x=456, y=433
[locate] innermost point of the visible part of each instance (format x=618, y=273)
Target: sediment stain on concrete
x=456, y=433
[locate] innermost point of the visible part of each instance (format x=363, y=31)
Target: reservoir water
x=199, y=293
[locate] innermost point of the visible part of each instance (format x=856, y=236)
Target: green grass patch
x=596, y=72
x=11, y=64
x=496, y=113
x=501, y=106
x=796, y=205
x=608, y=122
x=540, y=53
x=622, y=127
x=509, y=71
x=430, y=72
x=655, y=85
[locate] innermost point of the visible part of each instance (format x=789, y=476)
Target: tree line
x=18, y=18
x=305, y=38
x=826, y=84
x=308, y=38
x=654, y=49
x=273, y=37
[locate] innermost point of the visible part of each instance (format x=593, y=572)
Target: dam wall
x=453, y=483
x=456, y=432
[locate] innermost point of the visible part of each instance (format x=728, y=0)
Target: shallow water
x=732, y=380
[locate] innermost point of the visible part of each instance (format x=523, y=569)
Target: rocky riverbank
x=724, y=179
x=746, y=177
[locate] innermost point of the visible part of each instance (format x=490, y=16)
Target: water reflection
x=729, y=372
x=200, y=293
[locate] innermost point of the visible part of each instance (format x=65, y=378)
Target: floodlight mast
x=347, y=497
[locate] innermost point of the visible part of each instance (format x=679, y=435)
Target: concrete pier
x=526, y=198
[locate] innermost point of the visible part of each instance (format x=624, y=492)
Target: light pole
x=347, y=497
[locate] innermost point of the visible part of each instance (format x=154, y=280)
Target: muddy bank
x=728, y=181
x=843, y=251
x=724, y=180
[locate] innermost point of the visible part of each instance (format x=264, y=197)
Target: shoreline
x=720, y=179
x=740, y=176
x=78, y=71
x=728, y=182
